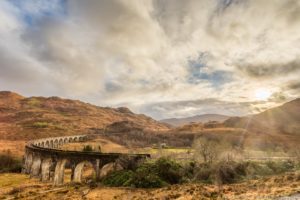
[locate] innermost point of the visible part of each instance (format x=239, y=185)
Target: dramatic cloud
x=151, y=55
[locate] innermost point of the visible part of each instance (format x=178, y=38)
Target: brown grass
x=15, y=147
x=20, y=186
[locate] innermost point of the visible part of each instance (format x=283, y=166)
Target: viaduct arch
x=44, y=160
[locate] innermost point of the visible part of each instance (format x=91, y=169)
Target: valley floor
x=20, y=186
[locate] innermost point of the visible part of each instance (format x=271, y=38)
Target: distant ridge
x=176, y=122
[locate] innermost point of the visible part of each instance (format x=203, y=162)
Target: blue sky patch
x=31, y=12
x=197, y=73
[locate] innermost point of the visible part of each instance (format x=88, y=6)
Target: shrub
x=148, y=175
x=259, y=169
x=141, y=178
x=119, y=178
x=169, y=170
x=161, y=172
x=147, y=181
x=225, y=173
x=222, y=172
x=165, y=171
x=8, y=163
x=145, y=177
x=204, y=173
x=255, y=170
x=189, y=170
x=280, y=167
x=231, y=172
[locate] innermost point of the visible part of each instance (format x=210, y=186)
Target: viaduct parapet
x=44, y=159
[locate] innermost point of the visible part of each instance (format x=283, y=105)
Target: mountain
x=176, y=122
x=24, y=118
x=284, y=119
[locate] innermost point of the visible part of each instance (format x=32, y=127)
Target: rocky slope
x=24, y=118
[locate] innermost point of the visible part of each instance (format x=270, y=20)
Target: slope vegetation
x=36, y=117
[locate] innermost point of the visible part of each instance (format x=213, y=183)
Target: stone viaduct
x=44, y=159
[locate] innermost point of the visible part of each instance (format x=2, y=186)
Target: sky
x=163, y=58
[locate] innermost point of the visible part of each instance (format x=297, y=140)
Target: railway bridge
x=44, y=159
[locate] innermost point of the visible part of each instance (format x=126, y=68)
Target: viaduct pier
x=43, y=159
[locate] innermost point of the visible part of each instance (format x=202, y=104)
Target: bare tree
x=208, y=149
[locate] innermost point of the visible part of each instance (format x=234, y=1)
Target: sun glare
x=262, y=94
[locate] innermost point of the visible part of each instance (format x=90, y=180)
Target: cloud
x=294, y=85
x=269, y=69
x=142, y=53
x=179, y=109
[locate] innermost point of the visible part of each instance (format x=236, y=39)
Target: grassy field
x=9, y=181
x=12, y=179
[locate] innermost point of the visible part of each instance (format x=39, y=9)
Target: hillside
x=176, y=122
x=24, y=118
x=278, y=127
x=284, y=119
